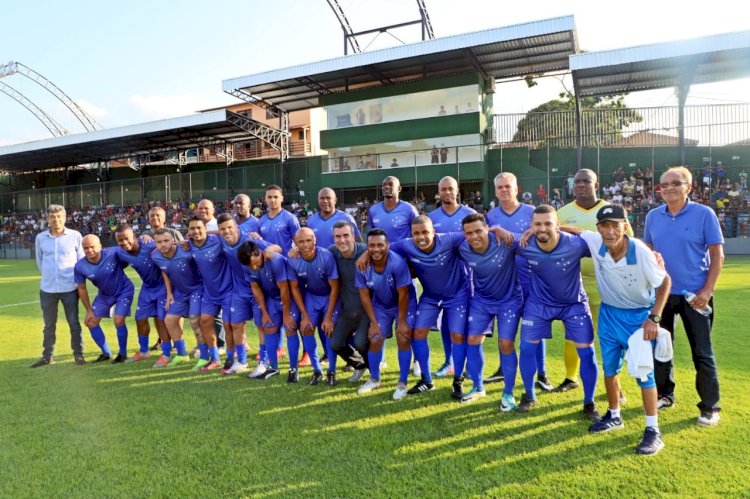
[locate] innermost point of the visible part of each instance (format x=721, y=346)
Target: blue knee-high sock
x=230, y=354
x=541, y=359
x=263, y=352
x=475, y=365
x=404, y=364
x=528, y=367
x=422, y=354
x=272, y=345
x=589, y=372
x=143, y=344
x=240, y=351
x=323, y=341
x=214, y=353
x=375, y=358
x=97, y=334
x=166, y=347
x=445, y=336
x=510, y=368
x=203, y=349
x=122, y=339
x=292, y=344
x=331, y=356
x=459, y=358
x=311, y=347
x=181, y=348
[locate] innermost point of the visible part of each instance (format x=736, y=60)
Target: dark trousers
x=219, y=331
x=698, y=329
x=350, y=324
x=49, y=302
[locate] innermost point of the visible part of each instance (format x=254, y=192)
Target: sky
x=144, y=60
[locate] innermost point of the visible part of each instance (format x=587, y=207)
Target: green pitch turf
x=130, y=430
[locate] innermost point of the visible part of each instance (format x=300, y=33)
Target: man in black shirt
x=352, y=319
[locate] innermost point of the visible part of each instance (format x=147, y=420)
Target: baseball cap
x=611, y=212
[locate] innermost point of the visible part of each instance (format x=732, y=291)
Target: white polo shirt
x=630, y=282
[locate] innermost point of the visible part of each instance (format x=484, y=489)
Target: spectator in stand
x=541, y=194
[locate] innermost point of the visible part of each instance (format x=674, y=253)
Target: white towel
x=640, y=356
x=663, y=351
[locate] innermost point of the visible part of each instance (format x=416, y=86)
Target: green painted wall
x=423, y=128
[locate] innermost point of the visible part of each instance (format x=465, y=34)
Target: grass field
x=129, y=430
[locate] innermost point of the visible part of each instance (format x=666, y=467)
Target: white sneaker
x=708, y=418
x=369, y=386
x=357, y=375
x=417, y=370
x=401, y=392
x=258, y=372
x=238, y=368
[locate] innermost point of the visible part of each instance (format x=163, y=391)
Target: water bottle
x=706, y=310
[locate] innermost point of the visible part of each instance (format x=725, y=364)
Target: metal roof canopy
x=512, y=51
x=661, y=65
x=186, y=132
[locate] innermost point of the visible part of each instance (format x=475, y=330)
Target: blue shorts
x=151, y=303
x=616, y=325
x=482, y=315
x=537, y=321
x=186, y=306
x=316, y=306
x=212, y=306
x=240, y=309
x=275, y=310
x=387, y=318
x=455, y=311
x=103, y=304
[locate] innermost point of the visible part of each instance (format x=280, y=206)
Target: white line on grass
x=7, y=305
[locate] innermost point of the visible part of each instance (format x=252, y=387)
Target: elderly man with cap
x=634, y=289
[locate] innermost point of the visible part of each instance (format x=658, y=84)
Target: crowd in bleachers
x=637, y=190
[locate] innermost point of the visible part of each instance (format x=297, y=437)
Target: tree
x=602, y=120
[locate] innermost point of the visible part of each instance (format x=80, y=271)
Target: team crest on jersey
x=375, y=221
x=533, y=262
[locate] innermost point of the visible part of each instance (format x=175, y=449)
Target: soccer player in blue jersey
x=497, y=295
x=184, y=287
x=104, y=270
x=515, y=217
x=447, y=218
x=388, y=296
x=241, y=309
x=392, y=215
x=209, y=256
x=627, y=275
x=318, y=280
x=556, y=293
x=152, y=296
x=436, y=263
x=274, y=307
x=246, y=222
x=241, y=301
x=322, y=222
x=157, y=218
x=277, y=226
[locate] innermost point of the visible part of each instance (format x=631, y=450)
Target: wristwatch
x=656, y=319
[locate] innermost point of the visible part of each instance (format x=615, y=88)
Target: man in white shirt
x=57, y=251
x=634, y=290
